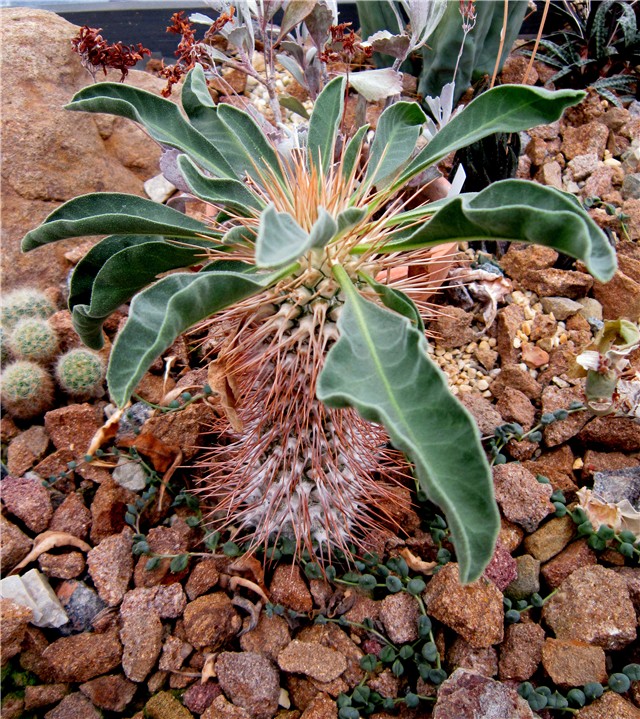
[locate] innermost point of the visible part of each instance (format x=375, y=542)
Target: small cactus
x=25, y=302
x=4, y=352
x=80, y=373
x=27, y=389
x=34, y=339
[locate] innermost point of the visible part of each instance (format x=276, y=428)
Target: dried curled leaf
x=225, y=389
x=50, y=540
x=619, y=515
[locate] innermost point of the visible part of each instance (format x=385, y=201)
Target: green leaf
x=260, y=152
x=166, y=309
x=380, y=367
x=516, y=210
x=350, y=217
x=232, y=194
x=323, y=126
x=113, y=271
x=396, y=300
x=352, y=152
x=507, y=108
x=323, y=230
x=113, y=213
x=292, y=103
x=161, y=118
x=395, y=140
x=280, y=239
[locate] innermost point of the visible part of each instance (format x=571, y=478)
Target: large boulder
x=51, y=155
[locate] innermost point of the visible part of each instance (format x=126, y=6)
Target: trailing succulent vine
x=320, y=356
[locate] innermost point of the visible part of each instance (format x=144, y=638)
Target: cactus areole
x=323, y=355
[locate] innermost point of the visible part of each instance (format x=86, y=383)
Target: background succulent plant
x=27, y=389
x=80, y=373
x=24, y=302
x=321, y=359
x=33, y=338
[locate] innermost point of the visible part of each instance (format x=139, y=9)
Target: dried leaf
x=50, y=540
x=209, y=668
x=107, y=432
x=162, y=455
x=225, y=389
x=417, y=564
x=252, y=566
x=618, y=515
x=235, y=582
x=376, y=85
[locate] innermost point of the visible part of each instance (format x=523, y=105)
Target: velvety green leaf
x=280, y=239
x=506, y=108
x=231, y=194
x=113, y=213
x=136, y=264
x=350, y=217
x=352, y=152
x=396, y=300
x=324, y=228
x=293, y=104
x=161, y=118
x=519, y=211
x=259, y=150
x=380, y=366
x=396, y=135
x=324, y=123
x=160, y=313
x=376, y=85
x=295, y=13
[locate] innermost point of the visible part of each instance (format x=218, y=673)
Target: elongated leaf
x=166, y=309
x=231, y=194
x=161, y=118
x=280, y=239
x=517, y=210
x=395, y=139
x=352, y=152
x=258, y=148
x=293, y=104
x=324, y=123
x=507, y=108
x=380, y=366
x=113, y=213
x=138, y=263
x=396, y=300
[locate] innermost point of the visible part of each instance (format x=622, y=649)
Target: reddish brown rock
x=42, y=695
x=482, y=661
x=182, y=429
x=521, y=497
x=112, y=692
x=502, y=569
x=108, y=509
x=331, y=636
x=26, y=449
x=600, y=461
x=558, y=283
x=161, y=540
x=165, y=705
x=72, y=516
x=474, y=610
x=211, y=620
x=111, y=566
x=73, y=427
x=577, y=554
x=632, y=576
x=510, y=320
x=14, y=545
x=584, y=139
x=609, y=706
x=289, y=589
x=269, y=638
x=251, y=681
x=514, y=377
x=62, y=566
x=620, y=297
x=453, y=328
x=521, y=651
x=521, y=258
x=83, y=656
x=312, y=659
x=220, y=708
x=322, y=707
x=141, y=637
x=551, y=538
x=554, y=398
x=203, y=577
x=510, y=535
x=572, y=663
x=27, y=500
x=174, y=654
x=620, y=434
x=199, y=697
x=14, y=619
x=592, y=605
x=467, y=695
x=32, y=655
x=515, y=406
x=74, y=706
x=484, y=412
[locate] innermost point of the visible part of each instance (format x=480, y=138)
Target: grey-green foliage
x=27, y=389
x=80, y=373
x=292, y=236
x=440, y=54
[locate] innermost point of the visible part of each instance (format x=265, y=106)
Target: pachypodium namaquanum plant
x=325, y=358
